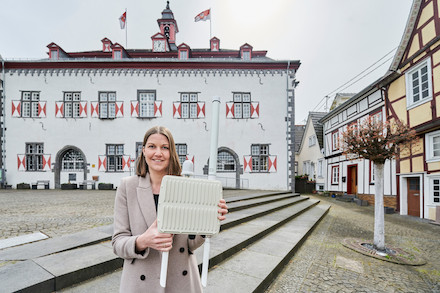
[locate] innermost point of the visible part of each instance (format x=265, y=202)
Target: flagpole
x=126, y=42
x=210, y=24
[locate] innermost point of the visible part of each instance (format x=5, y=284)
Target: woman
x=136, y=238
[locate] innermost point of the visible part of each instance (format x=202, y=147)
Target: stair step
x=231, y=241
x=245, y=204
x=256, y=195
x=254, y=268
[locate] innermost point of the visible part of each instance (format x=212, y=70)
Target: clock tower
x=168, y=27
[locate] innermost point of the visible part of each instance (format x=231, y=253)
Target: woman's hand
x=154, y=239
x=223, y=209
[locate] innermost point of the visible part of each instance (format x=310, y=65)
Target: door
x=352, y=179
x=413, y=196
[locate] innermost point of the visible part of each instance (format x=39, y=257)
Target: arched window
x=225, y=162
x=72, y=161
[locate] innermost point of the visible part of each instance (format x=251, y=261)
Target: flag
x=122, y=20
x=205, y=15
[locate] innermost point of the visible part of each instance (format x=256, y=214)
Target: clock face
x=159, y=46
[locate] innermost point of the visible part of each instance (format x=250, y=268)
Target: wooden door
x=413, y=196
x=352, y=179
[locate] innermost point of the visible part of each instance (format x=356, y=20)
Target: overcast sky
x=335, y=40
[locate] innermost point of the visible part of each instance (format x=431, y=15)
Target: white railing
x=228, y=182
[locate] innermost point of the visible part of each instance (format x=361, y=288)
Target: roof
x=319, y=130
x=299, y=132
x=340, y=98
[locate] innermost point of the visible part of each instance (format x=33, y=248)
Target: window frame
x=32, y=109
x=149, y=104
x=335, y=180
x=182, y=155
x=335, y=142
x=189, y=105
x=410, y=87
x=260, y=159
x=74, y=105
x=34, y=159
x=239, y=103
x=312, y=140
x=108, y=104
x=219, y=163
x=114, y=157
x=429, y=142
x=320, y=168
x=78, y=163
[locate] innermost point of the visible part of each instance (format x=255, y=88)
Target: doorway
x=352, y=179
x=413, y=187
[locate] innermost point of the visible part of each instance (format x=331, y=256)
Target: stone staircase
x=259, y=236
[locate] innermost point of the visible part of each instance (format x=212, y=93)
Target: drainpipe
x=287, y=131
x=3, y=141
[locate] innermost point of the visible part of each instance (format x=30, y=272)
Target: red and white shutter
x=21, y=159
x=201, y=110
x=190, y=157
x=134, y=109
x=102, y=163
x=42, y=109
x=119, y=109
x=255, y=109
x=16, y=108
x=158, y=109
x=82, y=109
x=272, y=164
x=229, y=110
x=247, y=164
x=46, y=163
x=94, y=109
x=126, y=163
x=59, y=109
x=177, y=110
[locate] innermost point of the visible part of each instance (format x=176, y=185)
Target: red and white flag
x=122, y=20
x=205, y=15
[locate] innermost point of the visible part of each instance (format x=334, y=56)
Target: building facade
x=413, y=96
x=81, y=116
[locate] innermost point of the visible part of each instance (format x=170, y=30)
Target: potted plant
x=105, y=186
x=69, y=186
x=23, y=185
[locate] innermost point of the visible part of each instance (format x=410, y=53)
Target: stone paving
x=322, y=264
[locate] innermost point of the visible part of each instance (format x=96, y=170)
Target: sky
x=335, y=40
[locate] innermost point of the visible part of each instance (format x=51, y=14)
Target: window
x=306, y=168
x=335, y=140
x=435, y=184
x=225, y=162
x=432, y=141
x=376, y=117
x=246, y=55
x=419, y=84
x=29, y=102
x=260, y=157
x=320, y=168
x=54, y=54
x=71, y=104
x=107, y=105
x=312, y=140
x=117, y=54
x=372, y=172
x=34, y=156
x=242, y=105
x=139, y=147
x=72, y=161
x=188, y=103
x=146, y=103
x=183, y=55
x=181, y=149
x=114, y=157
x=335, y=175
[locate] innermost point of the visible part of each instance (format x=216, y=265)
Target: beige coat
x=134, y=212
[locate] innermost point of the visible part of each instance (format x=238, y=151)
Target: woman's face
x=157, y=153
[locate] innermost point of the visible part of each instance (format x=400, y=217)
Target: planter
x=69, y=186
x=96, y=178
x=105, y=186
x=23, y=186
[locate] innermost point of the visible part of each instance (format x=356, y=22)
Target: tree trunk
x=379, y=220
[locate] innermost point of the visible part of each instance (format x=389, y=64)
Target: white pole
x=164, y=269
x=211, y=176
x=126, y=28
x=214, y=139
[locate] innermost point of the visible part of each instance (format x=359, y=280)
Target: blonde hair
x=174, y=167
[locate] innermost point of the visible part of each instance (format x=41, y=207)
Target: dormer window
x=106, y=45
x=215, y=44
x=183, y=51
x=54, y=54
x=117, y=54
x=246, y=52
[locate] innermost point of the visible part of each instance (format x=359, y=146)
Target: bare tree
x=377, y=141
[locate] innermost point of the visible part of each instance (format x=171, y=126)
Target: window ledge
x=418, y=103
x=432, y=160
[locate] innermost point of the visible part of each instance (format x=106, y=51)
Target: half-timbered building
x=78, y=116
x=413, y=96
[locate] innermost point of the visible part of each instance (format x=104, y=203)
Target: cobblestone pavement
x=322, y=264
x=58, y=212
